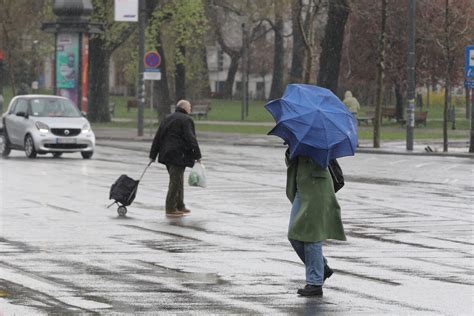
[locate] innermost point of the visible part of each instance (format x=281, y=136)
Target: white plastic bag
x=197, y=177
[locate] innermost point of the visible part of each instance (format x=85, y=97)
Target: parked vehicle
x=41, y=124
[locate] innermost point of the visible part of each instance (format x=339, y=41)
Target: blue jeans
x=311, y=253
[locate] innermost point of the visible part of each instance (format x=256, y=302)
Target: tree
x=278, y=51
x=305, y=31
x=188, y=23
x=298, y=49
x=380, y=75
x=20, y=24
x=331, y=45
x=261, y=64
x=452, y=40
x=161, y=89
x=226, y=19
x=101, y=47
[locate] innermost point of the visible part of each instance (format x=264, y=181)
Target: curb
x=209, y=139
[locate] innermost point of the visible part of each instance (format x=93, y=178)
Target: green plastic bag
x=197, y=177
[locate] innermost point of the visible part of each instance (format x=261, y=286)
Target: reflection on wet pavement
x=408, y=221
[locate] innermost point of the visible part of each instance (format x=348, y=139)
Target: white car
x=41, y=124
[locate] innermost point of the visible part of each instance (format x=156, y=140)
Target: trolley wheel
x=122, y=210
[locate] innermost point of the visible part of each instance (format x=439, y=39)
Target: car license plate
x=66, y=140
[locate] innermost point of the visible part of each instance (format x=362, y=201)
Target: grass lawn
x=230, y=110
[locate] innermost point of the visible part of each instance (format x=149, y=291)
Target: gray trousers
x=175, y=196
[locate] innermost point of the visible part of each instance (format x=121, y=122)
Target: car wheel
x=30, y=150
x=87, y=154
x=57, y=155
x=4, y=146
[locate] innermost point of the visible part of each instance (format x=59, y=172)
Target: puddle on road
x=186, y=277
x=24, y=296
x=160, y=232
x=21, y=246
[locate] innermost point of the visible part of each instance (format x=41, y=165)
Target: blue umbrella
x=314, y=123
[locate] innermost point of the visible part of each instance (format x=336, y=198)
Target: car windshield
x=53, y=108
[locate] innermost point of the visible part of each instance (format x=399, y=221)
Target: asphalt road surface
x=409, y=222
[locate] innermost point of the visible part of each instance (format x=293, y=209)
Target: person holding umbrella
x=317, y=128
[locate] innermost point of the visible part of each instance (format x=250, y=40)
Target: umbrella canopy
x=314, y=123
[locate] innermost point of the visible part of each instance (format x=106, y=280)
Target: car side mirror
x=84, y=113
x=23, y=114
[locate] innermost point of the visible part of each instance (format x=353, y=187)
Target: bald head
x=185, y=105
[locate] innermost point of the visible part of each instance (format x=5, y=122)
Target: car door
x=8, y=120
x=15, y=124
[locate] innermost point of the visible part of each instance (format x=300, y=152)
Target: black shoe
x=327, y=272
x=311, y=290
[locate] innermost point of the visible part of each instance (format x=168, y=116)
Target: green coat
x=319, y=216
x=351, y=102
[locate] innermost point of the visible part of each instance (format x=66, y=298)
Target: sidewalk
x=457, y=148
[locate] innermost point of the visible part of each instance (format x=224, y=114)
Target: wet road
x=409, y=222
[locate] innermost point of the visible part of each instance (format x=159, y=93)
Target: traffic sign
x=469, y=66
x=152, y=74
x=469, y=83
x=152, y=59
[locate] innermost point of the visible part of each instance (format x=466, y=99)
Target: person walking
x=315, y=217
x=176, y=146
x=351, y=102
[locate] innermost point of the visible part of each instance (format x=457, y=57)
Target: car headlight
x=43, y=128
x=86, y=128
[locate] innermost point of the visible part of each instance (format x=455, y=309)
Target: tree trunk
x=298, y=51
x=279, y=53
x=331, y=45
x=98, y=105
x=206, y=85
x=380, y=76
x=229, y=82
x=161, y=90
x=428, y=86
x=180, y=77
x=398, y=102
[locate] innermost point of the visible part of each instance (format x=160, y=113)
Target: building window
x=220, y=60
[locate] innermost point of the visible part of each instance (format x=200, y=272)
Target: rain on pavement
x=408, y=220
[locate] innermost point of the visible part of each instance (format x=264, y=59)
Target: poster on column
x=85, y=69
x=67, y=65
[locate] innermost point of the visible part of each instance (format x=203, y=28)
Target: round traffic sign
x=152, y=59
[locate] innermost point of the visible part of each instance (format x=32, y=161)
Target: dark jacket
x=175, y=141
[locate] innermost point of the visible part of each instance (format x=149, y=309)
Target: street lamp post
x=34, y=84
x=1, y=81
x=141, y=66
x=411, y=74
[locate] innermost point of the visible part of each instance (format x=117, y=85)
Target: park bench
x=389, y=113
x=132, y=104
x=199, y=108
x=368, y=118
x=420, y=118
